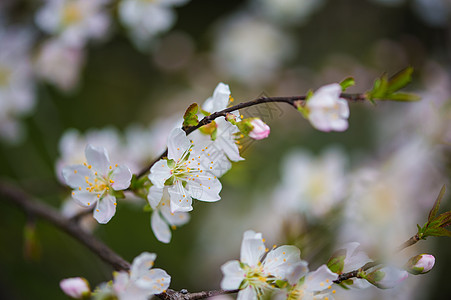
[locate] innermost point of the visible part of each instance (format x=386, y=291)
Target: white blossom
x=326, y=110
x=254, y=274
x=74, y=21
x=94, y=182
x=142, y=281
x=185, y=173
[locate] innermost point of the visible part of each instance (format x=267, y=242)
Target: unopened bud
x=76, y=287
x=420, y=264
x=260, y=129
x=386, y=277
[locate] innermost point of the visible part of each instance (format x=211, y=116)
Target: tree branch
x=14, y=195
x=184, y=295
x=291, y=100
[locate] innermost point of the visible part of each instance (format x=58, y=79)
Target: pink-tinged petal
x=159, y=173
x=84, y=198
x=252, y=248
x=233, y=275
x=339, y=124
x=75, y=176
x=75, y=287
x=121, y=177
x=154, y=196
x=279, y=261
x=247, y=294
x=177, y=218
x=141, y=265
x=319, y=120
x=387, y=277
x=205, y=189
x=181, y=201
x=260, y=130
x=320, y=280
x=105, y=209
x=343, y=108
x=219, y=100
x=178, y=143
x=97, y=157
x=160, y=228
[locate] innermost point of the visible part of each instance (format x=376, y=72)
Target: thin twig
x=291, y=100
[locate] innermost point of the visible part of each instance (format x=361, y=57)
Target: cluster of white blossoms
x=139, y=284
x=281, y=273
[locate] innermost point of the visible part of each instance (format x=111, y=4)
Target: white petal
x=121, y=177
x=181, y=201
x=252, y=248
x=75, y=176
x=296, y=272
x=159, y=173
x=233, y=275
x=220, y=99
x=393, y=276
x=205, y=189
x=154, y=196
x=97, y=157
x=247, y=294
x=84, y=198
x=320, y=280
x=343, y=108
x=319, y=120
x=177, y=218
x=278, y=261
x=339, y=124
x=105, y=209
x=141, y=265
x=155, y=281
x=354, y=258
x=178, y=143
x=160, y=228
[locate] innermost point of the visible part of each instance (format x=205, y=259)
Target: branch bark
x=16, y=196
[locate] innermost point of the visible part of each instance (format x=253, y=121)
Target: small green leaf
x=439, y=231
x=281, y=284
x=436, y=205
x=346, y=83
x=190, y=116
x=336, y=262
x=399, y=80
x=403, y=97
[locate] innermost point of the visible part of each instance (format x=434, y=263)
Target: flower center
x=71, y=13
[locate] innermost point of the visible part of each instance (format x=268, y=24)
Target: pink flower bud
x=420, y=264
x=75, y=287
x=260, y=130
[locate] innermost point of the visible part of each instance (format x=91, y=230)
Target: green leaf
x=190, y=116
x=439, y=231
x=399, y=80
x=436, y=205
x=346, y=83
x=403, y=97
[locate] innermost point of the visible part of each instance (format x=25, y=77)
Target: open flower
x=326, y=110
x=142, y=281
x=94, y=182
x=163, y=219
x=254, y=275
x=185, y=173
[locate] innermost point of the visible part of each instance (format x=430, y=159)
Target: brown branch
x=14, y=195
x=185, y=295
x=412, y=241
x=291, y=100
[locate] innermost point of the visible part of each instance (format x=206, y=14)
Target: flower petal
x=98, y=158
x=178, y=143
x=252, y=248
x=75, y=176
x=84, y=198
x=160, y=228
x=247, y=294
x=154, y=196
x=219, y=100
x=181, y=201
x=176, y=218
x=205, y=189
x=141, y=265
x=105, y=209
x=154, y=281
x=320, y=280
x=233, y=275
x=121, y=177
x=279, y=261
x=159, y=173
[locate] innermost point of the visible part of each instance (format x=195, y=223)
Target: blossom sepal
x=385, y=277
x=254, y=128
x=347, y=83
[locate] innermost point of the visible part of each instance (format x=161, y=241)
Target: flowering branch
x=294, y=101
